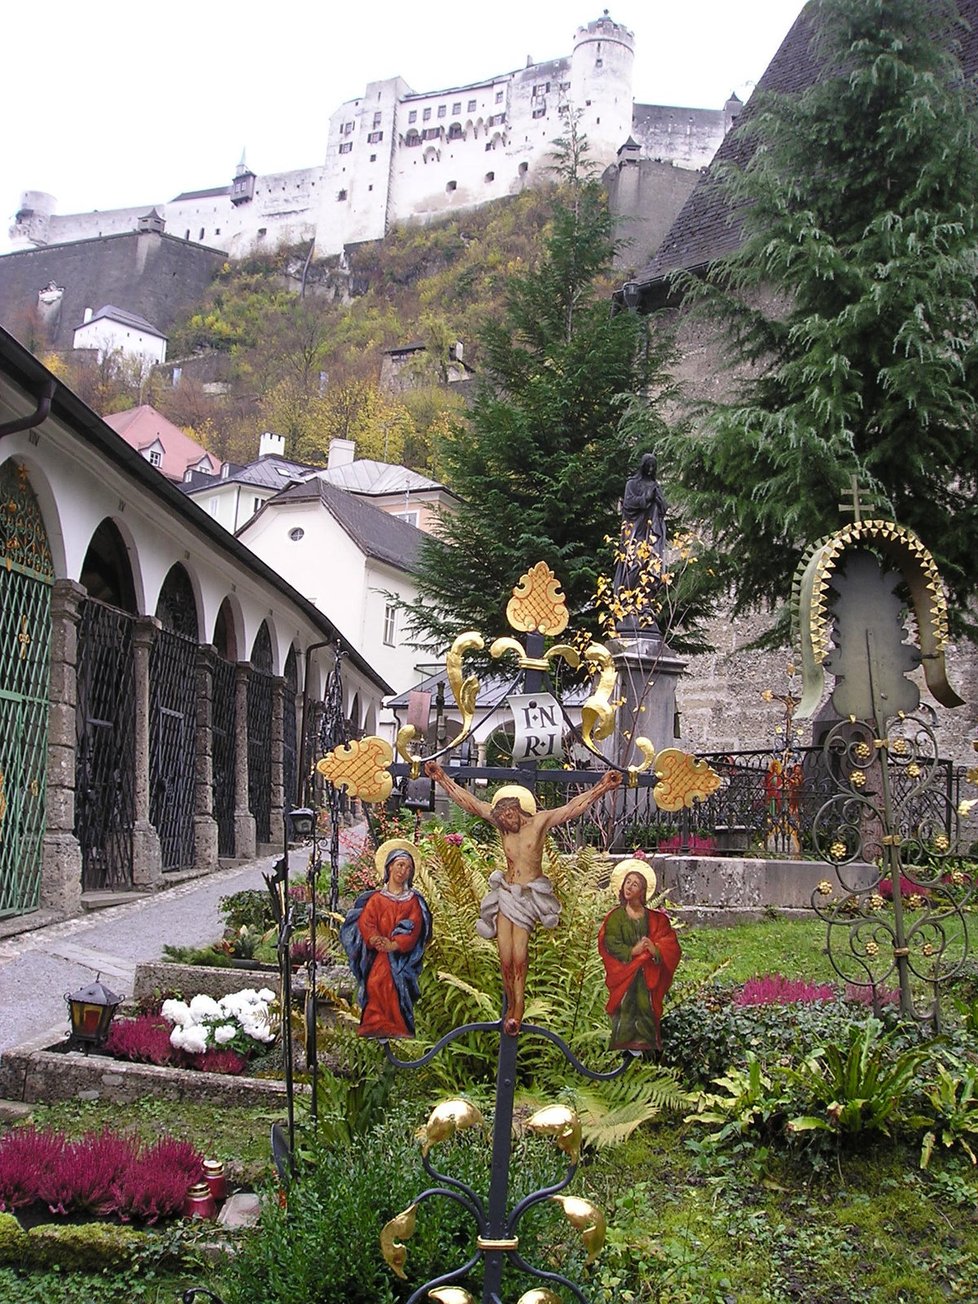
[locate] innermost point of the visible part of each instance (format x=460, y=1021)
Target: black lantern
x=91, y=1009
x=301, y=823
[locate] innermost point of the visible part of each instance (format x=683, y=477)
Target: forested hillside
x=298, y=343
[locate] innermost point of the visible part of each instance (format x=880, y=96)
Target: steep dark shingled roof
x=378, y=534
x=703, y=230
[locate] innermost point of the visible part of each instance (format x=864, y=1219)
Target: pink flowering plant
x=102, y=1173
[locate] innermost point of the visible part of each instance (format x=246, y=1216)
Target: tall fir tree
x=561, y=413
x=849, y=309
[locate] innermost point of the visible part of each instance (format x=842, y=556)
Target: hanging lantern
x=91, y=1010
x=301, y=823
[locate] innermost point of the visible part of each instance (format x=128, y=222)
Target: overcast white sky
x=121, y=103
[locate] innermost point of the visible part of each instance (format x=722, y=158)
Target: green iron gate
x=26, y=576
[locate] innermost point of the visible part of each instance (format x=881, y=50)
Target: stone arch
x=106, y=572
x=432, y=155
x=227, y=637
x=47, y=506
x=262, y=657
x=176, y=607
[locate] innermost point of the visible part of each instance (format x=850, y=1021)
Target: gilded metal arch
x=811, y=599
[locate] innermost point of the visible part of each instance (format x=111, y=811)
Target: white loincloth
x=523, y=904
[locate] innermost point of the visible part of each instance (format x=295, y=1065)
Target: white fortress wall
x=394, y=155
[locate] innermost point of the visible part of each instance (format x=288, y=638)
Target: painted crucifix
x=523, y=896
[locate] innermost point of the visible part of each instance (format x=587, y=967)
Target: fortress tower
x=601, y=85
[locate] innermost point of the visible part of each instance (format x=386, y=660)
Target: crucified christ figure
x=523, y=896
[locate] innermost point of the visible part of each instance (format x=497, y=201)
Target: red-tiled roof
x=141, y=427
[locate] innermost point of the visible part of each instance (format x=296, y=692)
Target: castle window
x=186, y=234
x=426, y=115
x=599, y=63
x=201, y=236
x=347, y=128
x=217, y=230
x=471, y=107
x=456, y=107
x=412, y=138
x=450, y=186
x=523, y=169
x=442, y=110
x=540, y=112
x=340, y=196
x=373, y=158
x=499, y=97
x=377, y=118
x=413, y=115
x=432, y=133
x=262, y=231
x=346, y=147
x=374, y=137
x=455, y=131
x=490, y=176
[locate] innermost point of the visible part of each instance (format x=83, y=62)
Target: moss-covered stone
x=13, y=1239
x=85, y=1248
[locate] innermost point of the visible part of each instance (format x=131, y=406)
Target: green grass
x=793, y=947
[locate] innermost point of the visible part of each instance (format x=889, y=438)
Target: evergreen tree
x=554, y=431
x=849, y=307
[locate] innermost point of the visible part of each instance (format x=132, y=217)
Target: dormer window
x=155, y=457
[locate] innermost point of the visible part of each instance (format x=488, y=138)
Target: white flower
x=224, y=1033
x=177, y=1012
x=204, y=1007
x=266, y=995
x=192, y=1039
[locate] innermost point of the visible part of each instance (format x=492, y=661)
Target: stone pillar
x=648, y=671
x=205, y=825
x=147, y=862
x=245, y=843
x=61, y=859
x=277, y=818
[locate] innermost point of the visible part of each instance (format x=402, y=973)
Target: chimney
x=271, y=444
x=341, y=453
x=86, y=316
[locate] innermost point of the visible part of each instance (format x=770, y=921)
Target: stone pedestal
x=648, y=671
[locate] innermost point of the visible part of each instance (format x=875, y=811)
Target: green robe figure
x=640, y=952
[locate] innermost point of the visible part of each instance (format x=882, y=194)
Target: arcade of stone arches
x=139, y=735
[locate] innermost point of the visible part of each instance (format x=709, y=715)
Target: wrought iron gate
x=260, y=686
x=105, y=798
x=25, y=637
x=223, y=751
x=173, y=746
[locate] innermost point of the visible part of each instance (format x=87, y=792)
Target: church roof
x=705, y=228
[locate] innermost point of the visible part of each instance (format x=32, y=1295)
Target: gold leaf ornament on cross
x=361, y=767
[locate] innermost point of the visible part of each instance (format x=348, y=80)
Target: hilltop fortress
x=394, y=155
